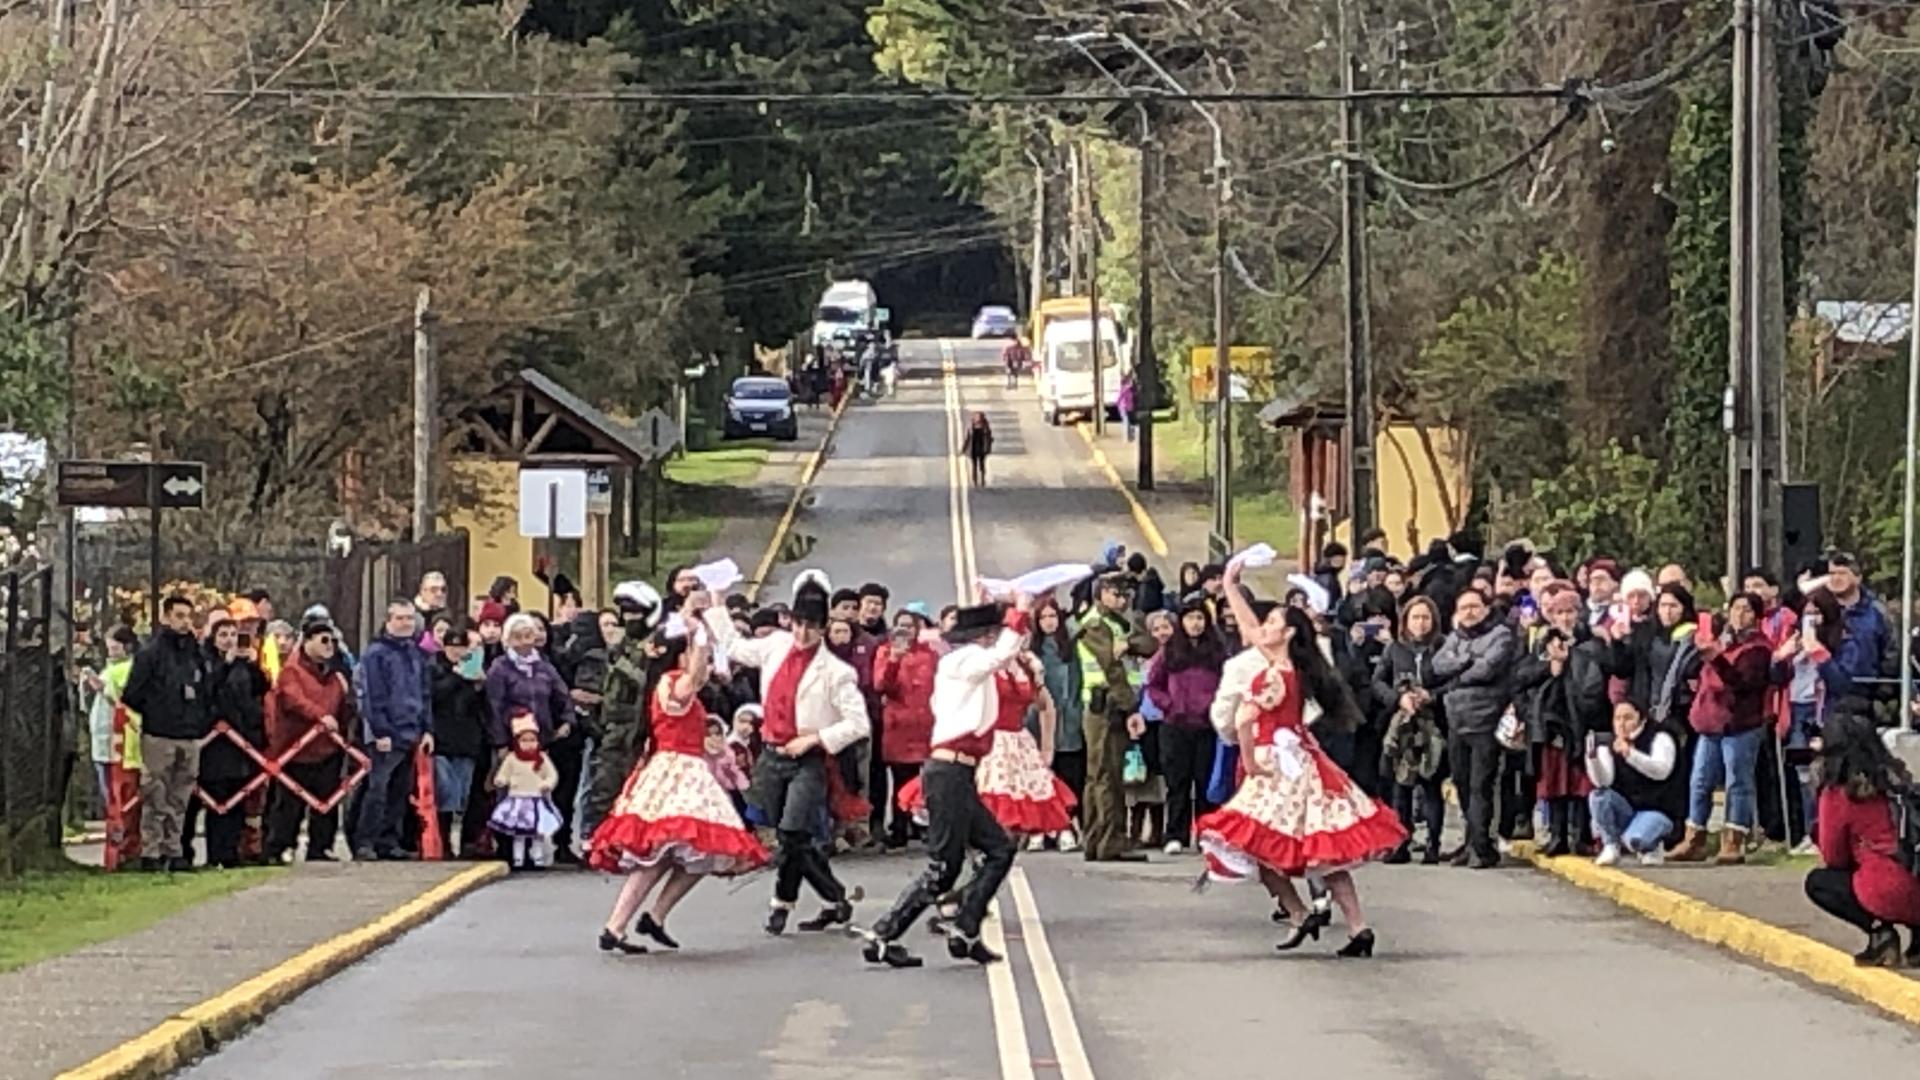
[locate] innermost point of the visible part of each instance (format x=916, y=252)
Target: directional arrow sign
x=181, y=485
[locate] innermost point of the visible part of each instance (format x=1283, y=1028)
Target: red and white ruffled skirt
x=1015, y=786
x=673, y=810
x=1305, y=816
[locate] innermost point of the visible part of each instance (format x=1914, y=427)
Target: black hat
x=810, y=604
x=971, y=623
x=764, y=619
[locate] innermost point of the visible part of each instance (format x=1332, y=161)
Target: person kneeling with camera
x=1863, y=880
x=1636, y=797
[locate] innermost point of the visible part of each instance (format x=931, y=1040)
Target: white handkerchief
x=1257, y=556
x=718, y=577
x=1317, y=597
x=1037, y=582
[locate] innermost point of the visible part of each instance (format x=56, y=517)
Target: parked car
x=759, y=406
x=994, y=321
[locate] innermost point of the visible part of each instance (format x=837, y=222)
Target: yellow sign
x=1253, y=364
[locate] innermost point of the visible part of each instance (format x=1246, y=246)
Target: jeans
x=1619, y=824
x=452, y=783
x=1806, y=726
x=384, y=800
x=1433, y=805
x=1729, y=759
x=1477, y=758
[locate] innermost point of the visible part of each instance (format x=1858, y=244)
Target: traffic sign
x=659, y=432
x=132, y=485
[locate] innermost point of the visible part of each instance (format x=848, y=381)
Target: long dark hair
x=1183, y=651
x=1062, y=640
x=673, y=650
x=1853, y=759
x=1189, y=578
x=1317, y=676
x=1833, y=621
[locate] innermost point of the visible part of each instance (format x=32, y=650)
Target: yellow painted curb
x=195, y=1032
x=807, y=473
x=1140, y=516
x=1741, y=934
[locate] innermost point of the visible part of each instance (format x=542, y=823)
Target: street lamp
x=1221, y=541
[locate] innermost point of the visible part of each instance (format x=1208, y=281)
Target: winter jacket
x=1411, y=748
x=1403, y=665
x=304, y=693
x=1062, y=672
x=540, y=690
x=399, y=691
x=237, y=694
x=168, y=687
x=1474, y=668
x=1184, y=697
x=904, y=681
x=1869, y=637
x=1733, y=687
x=1562, y=709
x=459, y=711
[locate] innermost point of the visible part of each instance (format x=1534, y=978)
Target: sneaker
x=1805, y=847
x=1608, y=856
x=1503, y=845
x=1069, y=842
x=1655, y=857
x=1174, y=847
x=1036, y=842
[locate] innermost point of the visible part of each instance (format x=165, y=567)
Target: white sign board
x=553, y=503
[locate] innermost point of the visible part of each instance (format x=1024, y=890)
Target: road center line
x=1068, y=1050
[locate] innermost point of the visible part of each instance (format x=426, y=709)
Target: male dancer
x=966, y=702
x=813, y=709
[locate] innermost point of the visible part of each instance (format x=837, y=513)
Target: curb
x=1140, y=516
x=800, y=489
x=1743, y=935
x=196, y=1032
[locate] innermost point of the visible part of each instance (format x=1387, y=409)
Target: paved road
x=1120, y=973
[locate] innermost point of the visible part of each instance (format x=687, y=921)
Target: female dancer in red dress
x=1297, y=813
x=673, y=824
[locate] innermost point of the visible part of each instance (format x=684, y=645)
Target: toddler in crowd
x=724, y=765
x=526, y=813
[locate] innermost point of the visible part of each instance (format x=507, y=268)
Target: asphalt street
x=1120, y=972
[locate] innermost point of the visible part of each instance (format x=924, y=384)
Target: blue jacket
x=1869, y=634
x=398, y=678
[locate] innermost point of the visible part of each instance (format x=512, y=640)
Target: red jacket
x=905, y=684
x=1858, y=836
x=1732, y=697
x=301, y=696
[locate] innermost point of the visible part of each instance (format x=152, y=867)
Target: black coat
x=167, y=686
x=1405, y=664
x=459, y=711
x=1562, y=709
x=237, y=693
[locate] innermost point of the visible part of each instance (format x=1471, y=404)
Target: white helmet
x=638, y=597
x=816, y=576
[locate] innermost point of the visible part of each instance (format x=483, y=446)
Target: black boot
x=446, y=834
x=1883, y=948
x=837, y=915
x=1580, y=828
x=1401, y=855
x=777, y=921
x=1557, y=825
x=891, y=953
x=962, y=947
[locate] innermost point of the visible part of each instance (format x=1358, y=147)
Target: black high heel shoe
x=654, y=930
x=1883, y=949
x=1307, y=928
x=1359, y=945
x=610, y=943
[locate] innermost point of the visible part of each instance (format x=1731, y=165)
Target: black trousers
x=285, y=809
x=1832, y=892
x=223, y=830
x=1071, y=767
x=1516, y=801
x=1433, y=805
x=1477, y=760
x=792, y=793
x=956, y=824
x=979, y=462
x=475, y=837
x=569, y=759
x=1186, y=760
x=887, y=796
x=876, y=779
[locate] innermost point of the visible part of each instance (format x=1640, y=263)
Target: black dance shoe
x=1359, y=946
x=777, y=921
x=837, y=915
x=1296, y=937
x=961, y=947
x=654, y=930
x=610, y=943
x=891, y=953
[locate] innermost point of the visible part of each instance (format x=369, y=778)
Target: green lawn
x=45, y=914
x=1269, y=517
x=697, y=490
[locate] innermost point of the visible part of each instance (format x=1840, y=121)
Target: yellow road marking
x=800, y=489
x=1140, y=516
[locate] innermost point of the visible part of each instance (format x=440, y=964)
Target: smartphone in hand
x=1703, y=634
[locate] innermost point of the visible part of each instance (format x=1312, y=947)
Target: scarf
x=531, y=757
x=525, y=664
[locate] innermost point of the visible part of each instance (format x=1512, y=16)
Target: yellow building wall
x=495, y=546
x=1423, y=490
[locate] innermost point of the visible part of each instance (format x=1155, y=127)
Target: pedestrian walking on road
x=979, y=444
x=1862, y=880
x=674, y=824
x=1018, y=358
x=1297, y=813
x=168, y=687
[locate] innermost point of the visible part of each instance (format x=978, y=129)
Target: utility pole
x=1221, y=542
x=1359, y=441
x=1093, y=294
x=426, y=414
x=1037, y=274
x=1073, y=219
x=1146, y=366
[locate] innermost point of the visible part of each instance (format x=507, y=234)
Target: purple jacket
x=1186, y=697
x=543, y=693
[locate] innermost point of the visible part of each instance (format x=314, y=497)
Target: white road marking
x=1068, y=1050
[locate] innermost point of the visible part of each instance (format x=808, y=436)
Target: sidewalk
x=64, y=1012
x=754, y=518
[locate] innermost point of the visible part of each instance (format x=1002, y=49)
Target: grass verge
x=697, y=490
x=44, y=914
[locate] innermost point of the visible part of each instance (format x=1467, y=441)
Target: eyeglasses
x=325, y=640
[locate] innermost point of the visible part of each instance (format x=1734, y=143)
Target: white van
x=846, y=305
x=1065, y=367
